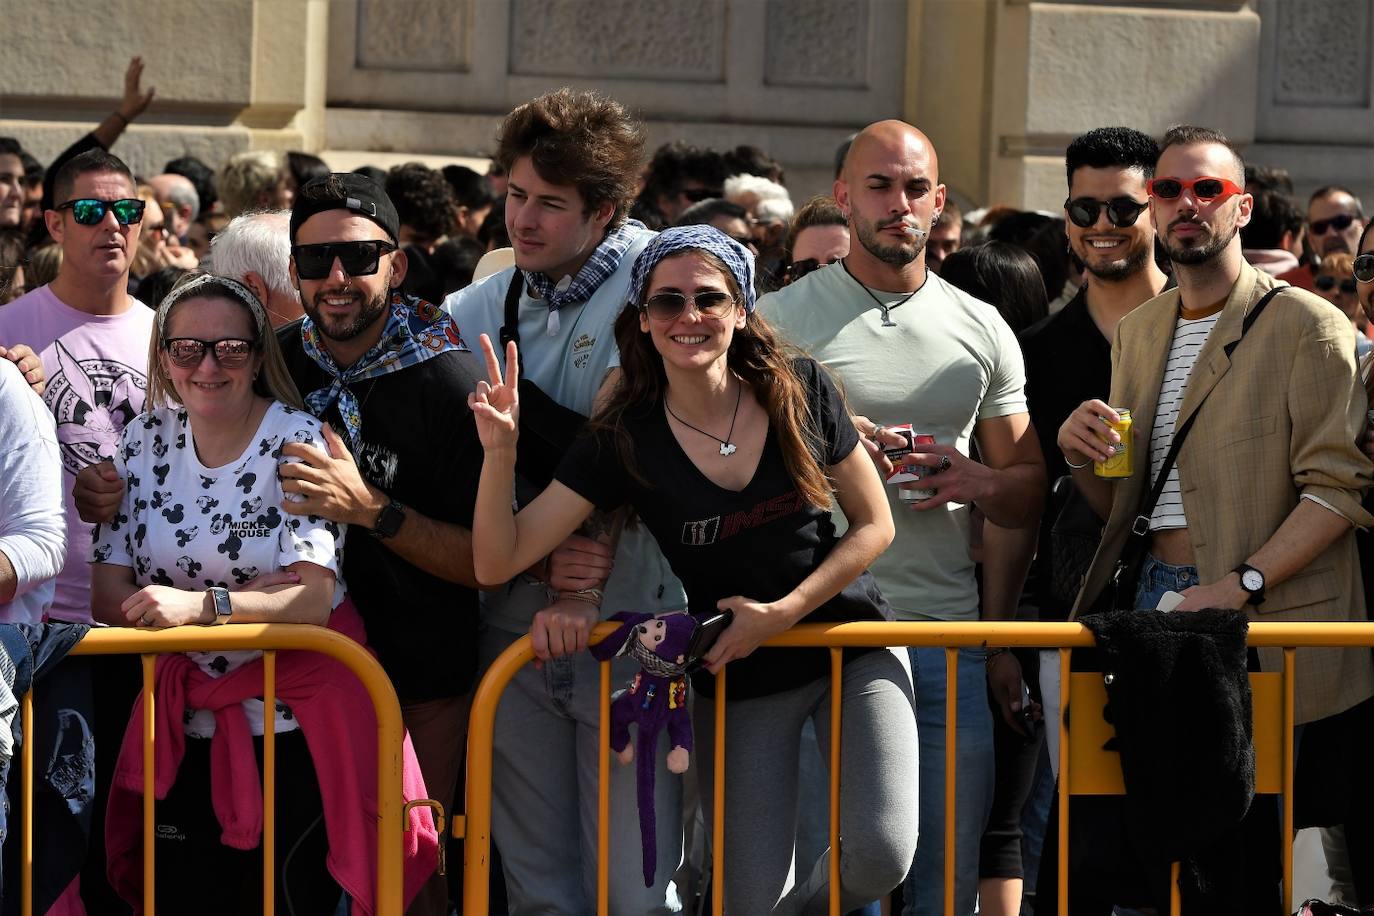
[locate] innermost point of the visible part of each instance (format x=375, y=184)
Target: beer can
x=1122, y=461
x=910, y=474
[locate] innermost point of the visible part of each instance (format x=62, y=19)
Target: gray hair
x=774, y=211
x=183, y=194
x=257, y=242
x=246, y=177
x=764, y=189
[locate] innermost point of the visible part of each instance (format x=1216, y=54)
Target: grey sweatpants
x=878, y=789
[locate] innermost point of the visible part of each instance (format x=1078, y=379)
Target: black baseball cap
x=345, y=191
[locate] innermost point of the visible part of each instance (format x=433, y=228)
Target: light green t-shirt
x=950, y=361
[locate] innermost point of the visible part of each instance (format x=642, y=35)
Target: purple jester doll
x=655, y=699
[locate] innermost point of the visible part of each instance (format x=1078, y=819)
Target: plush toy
x=656, y=698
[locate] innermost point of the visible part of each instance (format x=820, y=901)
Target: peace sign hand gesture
x=495, y=405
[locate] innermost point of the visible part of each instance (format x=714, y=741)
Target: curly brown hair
x=580, y=139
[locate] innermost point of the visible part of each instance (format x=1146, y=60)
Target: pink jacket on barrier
x=335, y=714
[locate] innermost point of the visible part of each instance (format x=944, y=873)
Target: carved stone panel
x=1316, y=72
x=821, y=42
x=670, y=41
x=414, y=34
x=1323, y=52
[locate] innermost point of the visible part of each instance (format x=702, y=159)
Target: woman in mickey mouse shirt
x=201, y=513
x=745, y=521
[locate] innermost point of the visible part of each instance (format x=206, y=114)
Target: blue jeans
x=1156, y=578
x=973, y=786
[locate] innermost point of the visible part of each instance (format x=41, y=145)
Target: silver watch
x=219, y=597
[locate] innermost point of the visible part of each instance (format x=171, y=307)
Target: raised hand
x=135, y=100
x=495, y=404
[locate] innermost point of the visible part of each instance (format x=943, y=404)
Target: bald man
x=180, y=204
x=913, y=349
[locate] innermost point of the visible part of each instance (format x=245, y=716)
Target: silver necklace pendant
x=727, y=449
x=887, y=321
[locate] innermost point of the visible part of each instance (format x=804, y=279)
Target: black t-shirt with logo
x=760, y=542
x=420, y=446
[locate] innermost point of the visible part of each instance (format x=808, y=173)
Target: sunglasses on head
x=1121, y=211
x=667, y=306
x=1204, y=188
x=230, y=352
x=1326, y=283
x=1364, y=267
x=359, y=259
x=1339, y=223
x=88, y=211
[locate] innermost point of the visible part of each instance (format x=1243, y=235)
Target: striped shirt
x=1189, y=336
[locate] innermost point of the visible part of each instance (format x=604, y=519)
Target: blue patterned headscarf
x=673, y=241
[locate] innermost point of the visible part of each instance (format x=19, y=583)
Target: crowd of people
x=275, y=393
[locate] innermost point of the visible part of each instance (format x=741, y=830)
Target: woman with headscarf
x=730, y=450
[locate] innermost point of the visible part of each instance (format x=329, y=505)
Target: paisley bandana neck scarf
x=415, y=331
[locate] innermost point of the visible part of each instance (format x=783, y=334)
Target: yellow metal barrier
x=269, y=638
x=1083, y=767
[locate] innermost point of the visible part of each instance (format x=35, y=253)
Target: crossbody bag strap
x=510, y=328
x=1141, y=526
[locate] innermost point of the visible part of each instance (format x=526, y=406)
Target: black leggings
x=1000, y=851
x=196, y=873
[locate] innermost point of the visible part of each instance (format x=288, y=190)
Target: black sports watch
x=1252, y=580
x=389, y=521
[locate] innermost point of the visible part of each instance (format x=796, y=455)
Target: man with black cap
x=391, y=374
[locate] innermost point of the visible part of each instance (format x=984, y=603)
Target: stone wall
x=1001, y=86
x=230, y=75
x=792, y=76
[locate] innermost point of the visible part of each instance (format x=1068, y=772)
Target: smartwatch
x=219, y=597
x=389, y=521
x=1252, y=580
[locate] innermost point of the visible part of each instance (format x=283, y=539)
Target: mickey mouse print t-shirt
x=759, y=542
x=187, y=526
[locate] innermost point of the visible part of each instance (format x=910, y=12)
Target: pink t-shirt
x=97, y=373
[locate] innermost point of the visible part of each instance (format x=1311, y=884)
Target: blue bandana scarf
x=415, y=331
x=603, y=262
x=673, y=241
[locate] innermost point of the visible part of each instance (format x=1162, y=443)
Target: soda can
x=1122, y=461
x=901, y=475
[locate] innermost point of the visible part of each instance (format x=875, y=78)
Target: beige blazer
x=1280, y=420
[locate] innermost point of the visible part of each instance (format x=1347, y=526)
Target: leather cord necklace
x=883, y=308
x=727, y=448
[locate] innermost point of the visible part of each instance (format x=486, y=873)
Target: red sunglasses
x=1204, y=188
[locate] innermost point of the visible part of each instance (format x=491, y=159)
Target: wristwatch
x=389, y=521
x=219, y=597
x=1252, y=580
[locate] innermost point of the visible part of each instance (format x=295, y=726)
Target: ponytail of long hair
x=760, y=360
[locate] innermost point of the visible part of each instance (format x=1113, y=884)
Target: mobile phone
x=705, y=636
x=1028, y=721
x=1025, y=717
